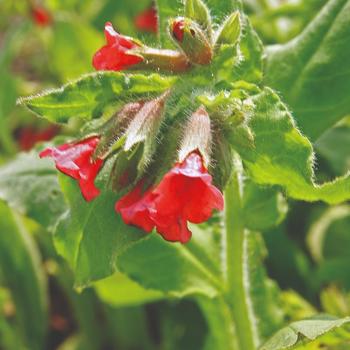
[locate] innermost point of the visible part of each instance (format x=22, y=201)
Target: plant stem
x=234, y=232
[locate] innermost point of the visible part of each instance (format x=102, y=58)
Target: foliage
x=266, y=273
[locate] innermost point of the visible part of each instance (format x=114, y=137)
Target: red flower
x=178, y=28
x=186, y=193
x=75, y=160
x=116, y=55
x=41, y=16
x=135, y=208
x=147, y=20
x=28, y=136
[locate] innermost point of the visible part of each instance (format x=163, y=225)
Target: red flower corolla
x=116, y=54
x=28, y=136
x=178, y=29
x=41, y=16
x=75, y=160
x=186, y=193
x=135, y=208
x=147, y=20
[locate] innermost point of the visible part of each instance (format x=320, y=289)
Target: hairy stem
x=236, y=293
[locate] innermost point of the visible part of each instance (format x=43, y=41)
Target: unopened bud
x=192, y=40
x=197, y=136
x=114, y=128
x=198, y=11
x=230, y=31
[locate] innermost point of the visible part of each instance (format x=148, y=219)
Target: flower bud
x=192, y=40
x=114, y=128
x=144, y=128
x=198, y=11
x=230, y=31
x=197, y=136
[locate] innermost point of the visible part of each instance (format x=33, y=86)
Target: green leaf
x=173, y=268
x=72, y=48
x=29, y=185
x=283, y=156
x=91, y=235
x=88, y=98
x=312, y=71
x=263, y=207
x=120, y=291
x=306, y=330
x=20, y=267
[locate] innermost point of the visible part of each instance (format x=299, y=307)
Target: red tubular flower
x=186, y=193
x=178, y=29
x=75, y=160
x=41, y=16
x=135, y=208
x=147, y=20
x=116, y=54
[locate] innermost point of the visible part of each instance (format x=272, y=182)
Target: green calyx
x=192, y=40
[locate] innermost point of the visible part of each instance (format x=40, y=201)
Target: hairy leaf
x=283, y=156
x=87, y=98
x=312, y=72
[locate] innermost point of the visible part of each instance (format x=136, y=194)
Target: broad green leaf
x=72, y=47
x=303, y=331
x=283, y=156
x=91, y=234
x=29, y=185
x=23, y=275
x=87, y=98
x=312, y=70
x=179, y=270
x=263, y=207
x=119, y=291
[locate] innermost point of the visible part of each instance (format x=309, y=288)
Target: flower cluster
x=187, y=193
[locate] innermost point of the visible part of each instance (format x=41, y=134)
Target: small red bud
x=178, y=29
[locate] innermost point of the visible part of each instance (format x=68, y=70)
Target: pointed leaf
x=90, y=96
